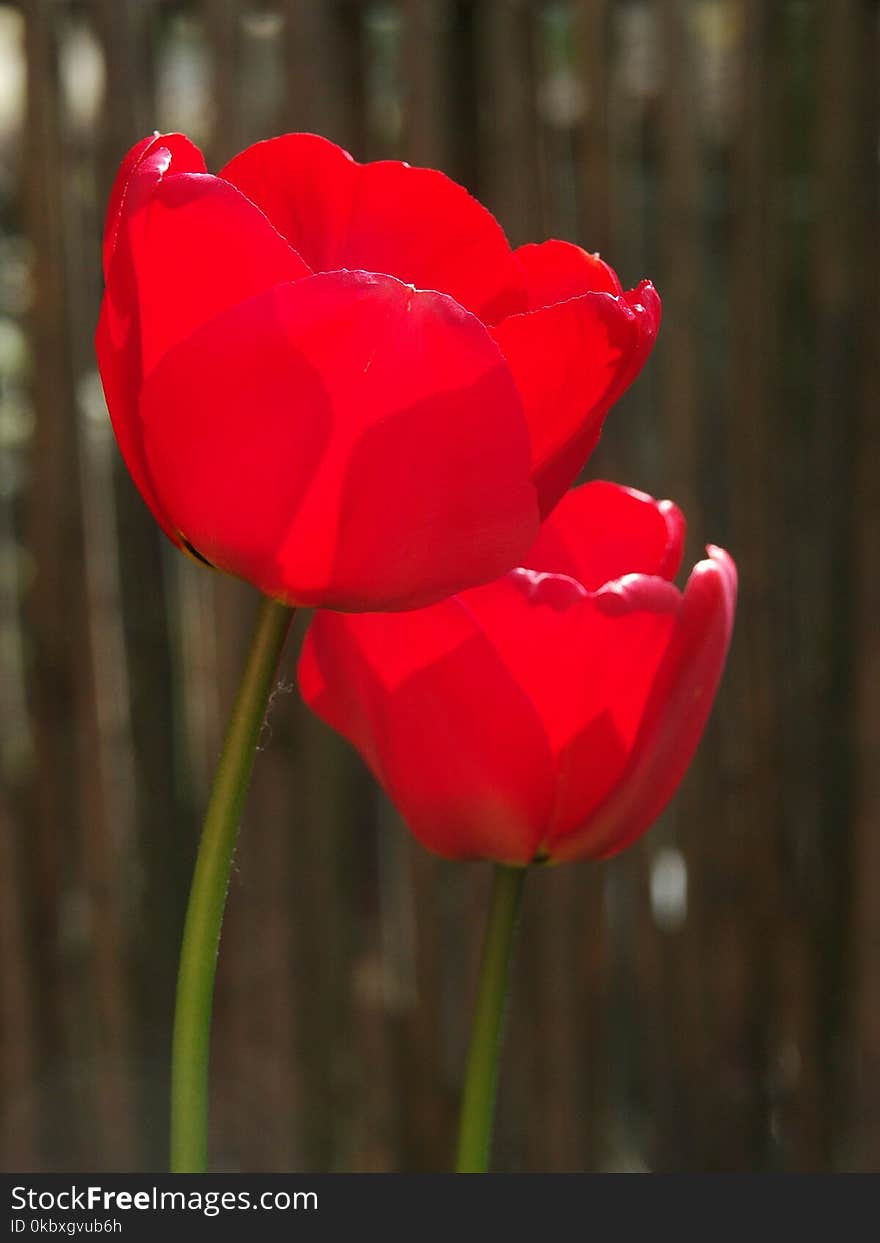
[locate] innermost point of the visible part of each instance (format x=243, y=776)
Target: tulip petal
x=444, y=727
x=388, y=217
x=624, y=631
x=116, y=340
x=571, y=362
x=188, y=247
x=602, y=531
x=556, y=271
x=186, y=157
x=184, y=247
x=344, y=440
x=673, y=718
x=586, y=662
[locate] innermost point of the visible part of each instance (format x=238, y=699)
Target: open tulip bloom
x=338, y=382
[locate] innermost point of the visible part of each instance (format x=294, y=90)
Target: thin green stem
x=207, y=899
x=481, y=1076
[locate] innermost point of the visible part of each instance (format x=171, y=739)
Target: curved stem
x=207, y=899
x=481, y=1076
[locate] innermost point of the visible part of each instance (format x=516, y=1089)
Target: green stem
x=481, y=1076
x=207, y=899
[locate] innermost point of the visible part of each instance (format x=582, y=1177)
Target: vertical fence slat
x=55, y=612
x=507, y=119
x=127, y=30
x=19, y=1149
x=593, y=26
x=847, y=285
x=323, y=48
x=841, y=241
x=739, y=897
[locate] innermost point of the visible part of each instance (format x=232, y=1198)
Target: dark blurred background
x=711, y=999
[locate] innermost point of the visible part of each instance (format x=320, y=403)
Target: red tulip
x=337, y=381
x=552, y=713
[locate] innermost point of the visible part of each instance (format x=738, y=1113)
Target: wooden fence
x=711, y=999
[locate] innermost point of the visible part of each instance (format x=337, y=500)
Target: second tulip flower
x=550, y=714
